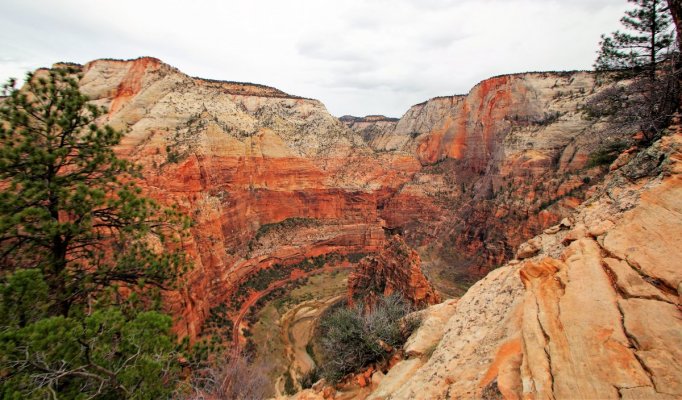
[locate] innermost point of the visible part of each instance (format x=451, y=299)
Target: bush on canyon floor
x=310, y=378
x=354, y=337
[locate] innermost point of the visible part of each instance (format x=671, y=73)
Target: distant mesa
x=349, y=119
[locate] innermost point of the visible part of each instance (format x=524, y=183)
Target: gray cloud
x=357, y=56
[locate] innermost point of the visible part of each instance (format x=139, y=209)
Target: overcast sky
x=358, y=56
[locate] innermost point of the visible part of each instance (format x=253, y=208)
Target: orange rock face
x=500, y=164
x=269, y=178
x=396, y=269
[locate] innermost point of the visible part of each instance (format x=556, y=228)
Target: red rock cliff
x=500, y=164
x=240, y=158
x=269, y=178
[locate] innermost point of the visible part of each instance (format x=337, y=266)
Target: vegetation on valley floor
x=270, y=345
x=353, y=337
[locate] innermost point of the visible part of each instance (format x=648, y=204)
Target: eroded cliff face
x=266, y=177
x=591, y=311
x=272, y=179
x=370, y=127
x=500, y=164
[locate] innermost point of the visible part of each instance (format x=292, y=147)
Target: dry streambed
x=286, y=325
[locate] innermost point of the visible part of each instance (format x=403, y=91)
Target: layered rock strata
x=594, y=314
x=500, y=164
x=269, y=178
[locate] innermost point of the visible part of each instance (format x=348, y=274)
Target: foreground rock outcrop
x=595, y=314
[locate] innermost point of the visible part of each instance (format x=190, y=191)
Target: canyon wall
x=498, y=165
x=270, y=179
x=266, y=177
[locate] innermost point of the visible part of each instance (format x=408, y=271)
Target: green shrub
x=289, y=387
x=607, y=154
x=351, y=338
x=310, y=378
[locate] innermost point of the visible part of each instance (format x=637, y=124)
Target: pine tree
x=644, y=44
x=646, y=56
x=83, y=255
x=68, y=205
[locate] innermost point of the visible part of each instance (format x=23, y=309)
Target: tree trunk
x=58, y=251
x=652, y=55
x=675, y=7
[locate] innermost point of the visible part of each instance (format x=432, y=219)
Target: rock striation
x=500, y=164
x=267, y=178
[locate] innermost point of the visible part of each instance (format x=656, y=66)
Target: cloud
x=357, y=56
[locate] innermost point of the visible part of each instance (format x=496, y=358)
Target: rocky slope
x=371, y=126
x=270, y=179
x=591, y=311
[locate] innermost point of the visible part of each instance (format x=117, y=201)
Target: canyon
x=278, y=190
x=592, y=311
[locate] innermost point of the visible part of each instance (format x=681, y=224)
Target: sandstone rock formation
x=596, y=316
x=396, y=269
x=269, y=178
x=371, y=126
x=500, y=164
x=592, y=310
x=265, y=176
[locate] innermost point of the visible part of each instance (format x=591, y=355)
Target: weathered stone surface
x=552, y=230
x=587, y=351
x=655, y=329
x=483, y=318
x=631, y=283
x=579, y=231
x=599, y=228
x=431, y=329
x=649, y=236
x=395, y=377
x=529, y=249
